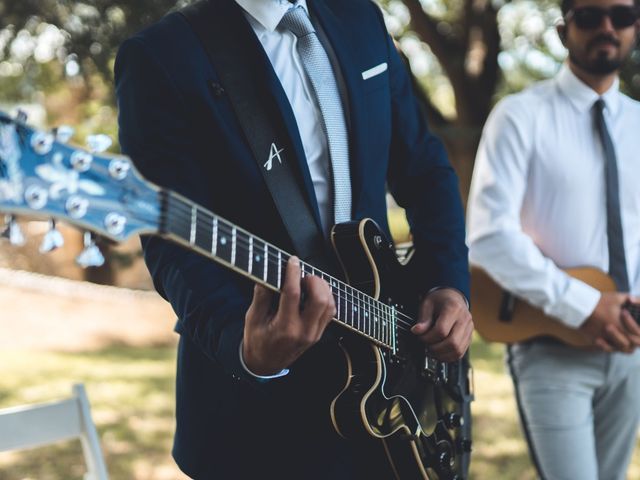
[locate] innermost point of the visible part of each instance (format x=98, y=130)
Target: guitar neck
x=199, y=230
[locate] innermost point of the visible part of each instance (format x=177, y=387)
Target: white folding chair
x=40, y=424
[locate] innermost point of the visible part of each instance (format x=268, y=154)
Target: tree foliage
x=464, y=55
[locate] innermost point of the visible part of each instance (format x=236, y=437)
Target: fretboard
x=198, y=229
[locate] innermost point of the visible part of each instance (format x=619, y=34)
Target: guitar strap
x=230, y=52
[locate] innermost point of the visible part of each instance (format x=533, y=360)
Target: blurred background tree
x=464, y=54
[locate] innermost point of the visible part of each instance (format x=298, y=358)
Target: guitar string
x=348, y=290
x=207, y=222
x=188, y=209
x=374, y=330
x=357, y=298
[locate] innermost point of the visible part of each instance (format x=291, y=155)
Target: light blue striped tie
x=318, y=67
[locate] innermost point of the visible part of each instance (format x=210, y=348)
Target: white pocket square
x=372, y=72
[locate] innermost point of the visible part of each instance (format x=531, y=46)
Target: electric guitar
x=392, y=391
x=499, y=316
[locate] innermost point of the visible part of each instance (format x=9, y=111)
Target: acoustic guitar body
x=500, y=318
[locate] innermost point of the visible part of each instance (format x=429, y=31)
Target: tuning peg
x=63, y=133
x=90, y=256
x=52, y=239
x=21, y=116
x=98, y=143
x=12, y=231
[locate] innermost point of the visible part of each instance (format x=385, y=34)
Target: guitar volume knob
x=453, y=420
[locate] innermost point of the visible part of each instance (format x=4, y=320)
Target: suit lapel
x=336, y=31
x=241, y=42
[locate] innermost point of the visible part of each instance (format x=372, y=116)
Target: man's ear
x=561, y=28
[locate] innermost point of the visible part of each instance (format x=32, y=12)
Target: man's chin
x=602, y=64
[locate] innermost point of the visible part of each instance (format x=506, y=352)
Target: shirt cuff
x=577, y=304
x=260, y=378
x=466, y=300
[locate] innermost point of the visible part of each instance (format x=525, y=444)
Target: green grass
x=132, y=396
x=131, y=391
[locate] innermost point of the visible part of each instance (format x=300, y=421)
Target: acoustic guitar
x=500, y=316
x=392, y=392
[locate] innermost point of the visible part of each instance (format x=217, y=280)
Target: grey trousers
x=580, y=410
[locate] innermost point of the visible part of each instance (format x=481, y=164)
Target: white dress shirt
x=537, y=199
x=280, y=46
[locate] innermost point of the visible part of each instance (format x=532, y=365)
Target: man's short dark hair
x=566, y=5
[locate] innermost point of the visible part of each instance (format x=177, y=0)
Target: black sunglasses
x=587, y=18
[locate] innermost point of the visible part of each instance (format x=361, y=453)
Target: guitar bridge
x=430, y=369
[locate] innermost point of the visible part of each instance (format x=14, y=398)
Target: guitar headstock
x=42, y=176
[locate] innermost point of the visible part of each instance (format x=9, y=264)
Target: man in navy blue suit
x=252, y=388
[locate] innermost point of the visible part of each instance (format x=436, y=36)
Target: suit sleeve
x=423, y=182
x=210, y=301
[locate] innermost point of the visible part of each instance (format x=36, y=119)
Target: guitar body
x=405, y=402
x=524, y=321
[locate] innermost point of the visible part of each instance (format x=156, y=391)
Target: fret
x=355, y=310
x=279, y=284
x=385, y=330
x=273, y=272
x=342, y=312
x=370, y=327
x=203, y=231
x=224, y=243
x=192, y=232
x=387, y=336
x=244, y=243
x=256, y=260
x=336, y=297
x=378, y=323
x=360, y=307
x=367, y=310
x=265, y=260
x=345, y=304
x=393, y=332
x=250, y=256
x=375, y=316
x=233, y=245
x=214, y=237
x=375, y=330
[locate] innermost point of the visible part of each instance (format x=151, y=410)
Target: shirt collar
x=268, y=13
x=583, y=96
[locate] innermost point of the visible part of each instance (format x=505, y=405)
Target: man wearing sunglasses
x=555, y=186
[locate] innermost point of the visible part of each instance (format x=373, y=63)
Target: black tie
x=617, y=261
